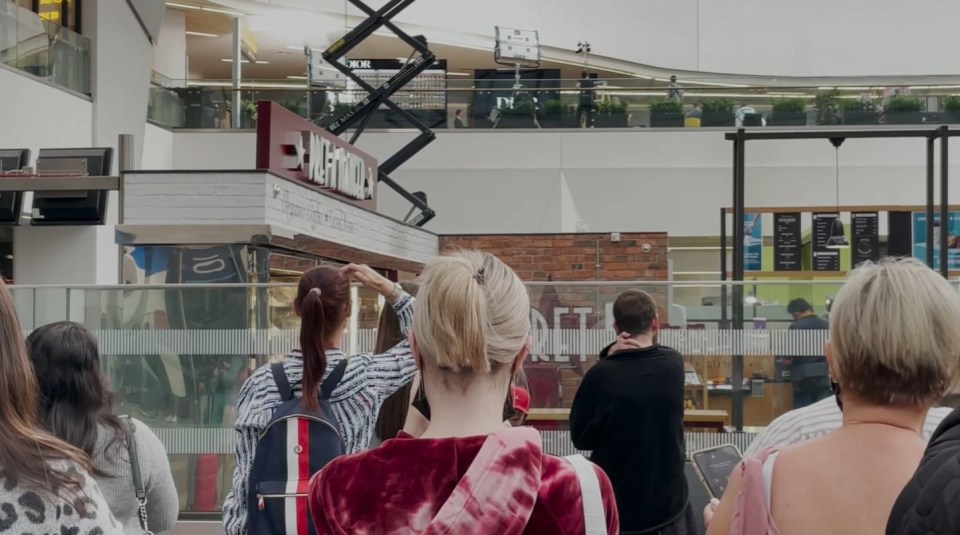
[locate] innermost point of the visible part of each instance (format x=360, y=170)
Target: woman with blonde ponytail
x=467, y=473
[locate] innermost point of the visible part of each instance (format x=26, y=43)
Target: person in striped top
x=323, y=304
x=817, y=420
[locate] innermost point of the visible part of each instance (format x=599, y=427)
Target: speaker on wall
x=71, y=207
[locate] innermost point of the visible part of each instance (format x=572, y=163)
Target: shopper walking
x=628, y=411
x=77, y=406
x=47, y=487
x=808, y=374
x=323, y=304
x=468, y=472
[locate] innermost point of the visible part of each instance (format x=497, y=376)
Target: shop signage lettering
x=359, y=63
x=331, y=166
x=292, y=147
x=558, y=345
x=310, y=214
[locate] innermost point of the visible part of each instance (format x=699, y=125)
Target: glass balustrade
x=178, y=354
x=43, y=49
x=611, y=103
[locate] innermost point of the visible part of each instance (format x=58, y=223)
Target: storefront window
x=66, y=13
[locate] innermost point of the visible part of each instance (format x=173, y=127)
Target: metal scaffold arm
x=361, y=113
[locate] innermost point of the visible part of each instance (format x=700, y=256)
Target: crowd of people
x=426, y=434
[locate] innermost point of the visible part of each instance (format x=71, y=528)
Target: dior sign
x=292, y=147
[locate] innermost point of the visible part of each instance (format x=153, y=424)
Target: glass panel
x=178, y=354
x=43, y=48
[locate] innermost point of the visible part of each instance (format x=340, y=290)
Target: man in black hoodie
x=629, y=412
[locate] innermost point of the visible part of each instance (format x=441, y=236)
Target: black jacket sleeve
x=586, y=415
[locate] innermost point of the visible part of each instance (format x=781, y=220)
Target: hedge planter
x=909, y=117
x=861, y=117
x=666, y=120
x=718, y=119
x=618, y=120
x=788, y=118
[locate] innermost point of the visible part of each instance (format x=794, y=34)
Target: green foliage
x=951, y=103
x=789, y=105
x=904, y=104
x=858, y=105
x=248, y=108
x=665, y=106
x=827, y=104
x=292, y=105
x=553, y=107
x=611, y=107
x=719, y=105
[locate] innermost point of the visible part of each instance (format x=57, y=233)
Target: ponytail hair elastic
x=480, y=277
x=316, y=291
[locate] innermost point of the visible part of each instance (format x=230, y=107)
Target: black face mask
x=836, y=392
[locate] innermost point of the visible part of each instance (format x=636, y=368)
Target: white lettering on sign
x=329, y=165
x=298, y=209
x=359, y=63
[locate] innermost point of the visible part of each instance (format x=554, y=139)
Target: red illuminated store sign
x=299, y=150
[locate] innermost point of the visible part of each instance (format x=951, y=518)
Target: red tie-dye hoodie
x=454, y=486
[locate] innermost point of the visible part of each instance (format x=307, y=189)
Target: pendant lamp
x=837, y=239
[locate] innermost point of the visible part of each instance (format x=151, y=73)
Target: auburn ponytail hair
x=323, y=301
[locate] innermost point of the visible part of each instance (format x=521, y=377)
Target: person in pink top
x=894, y=350
x=468, y=472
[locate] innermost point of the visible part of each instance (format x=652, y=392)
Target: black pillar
x=929, y=207
x=724, y=318
x=944, y=201
x=736, y=363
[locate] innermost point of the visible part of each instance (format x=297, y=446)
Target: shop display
x=824, y=259
x=786, y=242
x=865, y=241
x=427, y=91
x=752, y=242
x=953, y=238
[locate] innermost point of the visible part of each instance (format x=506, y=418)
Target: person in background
x=458, y=119
x=518, y=406
x=674, y=90
x=893, y=352
x=395, y=411
x=808, y=374
x=813, y=421
x=696, y=112
x=77, y=406
x=586, y=108
x=468, y=472
x=46, y=483
x=628, y=411
x=323, y=304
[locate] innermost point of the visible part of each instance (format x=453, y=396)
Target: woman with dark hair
x=77, y=406
x=394, y=413
x=46, y=483
x=323, y=304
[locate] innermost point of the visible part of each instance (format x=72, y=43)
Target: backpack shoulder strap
x=594, y=517
x=283, y=384
x=330, y=383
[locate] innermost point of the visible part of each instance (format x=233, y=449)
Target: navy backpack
x=296, y=444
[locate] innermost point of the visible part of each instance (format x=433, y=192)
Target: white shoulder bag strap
x=594, y=518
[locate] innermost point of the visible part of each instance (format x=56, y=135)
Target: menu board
x=824, y=259
x=786, y=242
x=865, y=234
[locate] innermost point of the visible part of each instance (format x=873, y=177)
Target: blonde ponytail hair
x=472, y=314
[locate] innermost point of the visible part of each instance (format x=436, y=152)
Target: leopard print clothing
x=26, y=509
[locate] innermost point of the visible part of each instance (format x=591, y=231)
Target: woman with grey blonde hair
x=894, y=351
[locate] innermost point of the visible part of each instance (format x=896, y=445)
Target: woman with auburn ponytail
x=45, y=484
x=323, y=304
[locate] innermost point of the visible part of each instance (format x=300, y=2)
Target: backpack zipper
x=261, y=506
x=311, y=418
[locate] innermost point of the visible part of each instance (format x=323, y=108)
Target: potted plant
x=248, y=117
x=789, y=112
x=611, y=113
x=666, y=114
x=859, y=111
x=556, y=114
x=718, y=112
x=827, y=104
x=951, y=105
x=903, y=110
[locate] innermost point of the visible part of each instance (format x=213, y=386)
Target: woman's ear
x=518, y=362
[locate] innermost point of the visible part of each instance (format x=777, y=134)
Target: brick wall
x=560, y=258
